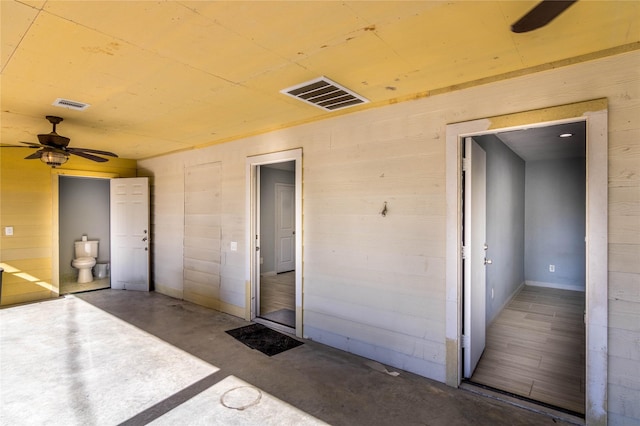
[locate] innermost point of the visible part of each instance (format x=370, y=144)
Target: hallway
x=122, y=357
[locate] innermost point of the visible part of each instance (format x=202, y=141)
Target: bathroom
x=83, y=211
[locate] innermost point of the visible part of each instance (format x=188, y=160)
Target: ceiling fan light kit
x=54, y=158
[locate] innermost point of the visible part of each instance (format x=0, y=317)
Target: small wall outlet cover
x=234, y=246
x=8, y=231
x=552, y=268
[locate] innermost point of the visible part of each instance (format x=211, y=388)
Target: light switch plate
x=8, y=231
x=234, y=246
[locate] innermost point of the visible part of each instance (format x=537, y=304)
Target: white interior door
x=130, y=234
x=474, y=254
x=285, y=227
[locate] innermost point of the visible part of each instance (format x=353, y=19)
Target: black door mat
x=264, y=339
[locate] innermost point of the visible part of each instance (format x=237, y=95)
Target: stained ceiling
x=167, y=76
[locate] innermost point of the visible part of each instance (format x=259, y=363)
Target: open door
x=130, y=234
x=285, y=227
x=474, y=251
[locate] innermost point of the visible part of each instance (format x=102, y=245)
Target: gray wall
x=555, y=222
x=84, y=210
x=268, y=179
x=535, y=218
x=505, y=222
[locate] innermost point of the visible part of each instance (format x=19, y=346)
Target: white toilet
x=86, y=254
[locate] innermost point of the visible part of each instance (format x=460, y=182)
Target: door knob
x=488, y=261
x=144, y=239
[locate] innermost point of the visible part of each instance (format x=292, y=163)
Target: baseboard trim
x=555, y=285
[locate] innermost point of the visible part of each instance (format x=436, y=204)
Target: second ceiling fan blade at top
x=545, y=12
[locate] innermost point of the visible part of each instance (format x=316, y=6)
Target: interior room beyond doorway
x=277, y=280
x=84, y=204
x=535, y=279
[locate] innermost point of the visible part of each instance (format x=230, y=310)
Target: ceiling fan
x=543, y=13
x=54, y=150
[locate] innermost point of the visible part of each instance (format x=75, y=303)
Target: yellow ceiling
x=173, y=75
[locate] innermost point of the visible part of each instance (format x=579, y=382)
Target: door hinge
x=464, y=252
x=465, y=164
x=464, y=339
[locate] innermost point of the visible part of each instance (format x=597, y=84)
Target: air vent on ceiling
x=66, y=103
x=325, y=94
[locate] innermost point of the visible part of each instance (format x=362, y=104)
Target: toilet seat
x=84, y=262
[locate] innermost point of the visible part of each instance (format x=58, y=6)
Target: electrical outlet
x=8, y=231
x=552, y=268
x=234, y=246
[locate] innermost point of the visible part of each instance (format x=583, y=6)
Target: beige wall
x=375, y=285
x=26, y=204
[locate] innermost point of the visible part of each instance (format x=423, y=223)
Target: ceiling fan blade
x=20, y=146
x=92, y=151
x=88, y=156
x=545, y=12
x=31, y=145
x=35, y=155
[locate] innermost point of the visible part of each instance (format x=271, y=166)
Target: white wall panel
x=202, y=231
x=393, y=267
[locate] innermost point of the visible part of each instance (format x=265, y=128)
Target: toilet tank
x=86, y=249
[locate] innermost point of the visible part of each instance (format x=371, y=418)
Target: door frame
x=252, y=267
x=55, y=216
x=594, y=113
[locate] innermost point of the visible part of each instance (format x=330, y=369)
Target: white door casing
x=474, y=254
x=285, y=227
x=130, y=234
x=595, y=114
x=253, y=225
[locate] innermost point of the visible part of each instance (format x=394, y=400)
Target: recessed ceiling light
x=566, y=135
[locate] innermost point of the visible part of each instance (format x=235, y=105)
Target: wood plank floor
x=536, y=348
x=278, y=295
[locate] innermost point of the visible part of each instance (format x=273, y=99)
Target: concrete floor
x=117, y=357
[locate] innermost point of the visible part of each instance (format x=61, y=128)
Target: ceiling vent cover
x=66, y=103
x=325, y=94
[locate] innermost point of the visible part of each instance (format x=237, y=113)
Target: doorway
x=62, y=275
x=130, y=214
x=594, y=115
x=532, y=261
x=84, y=212
x=275, y=240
